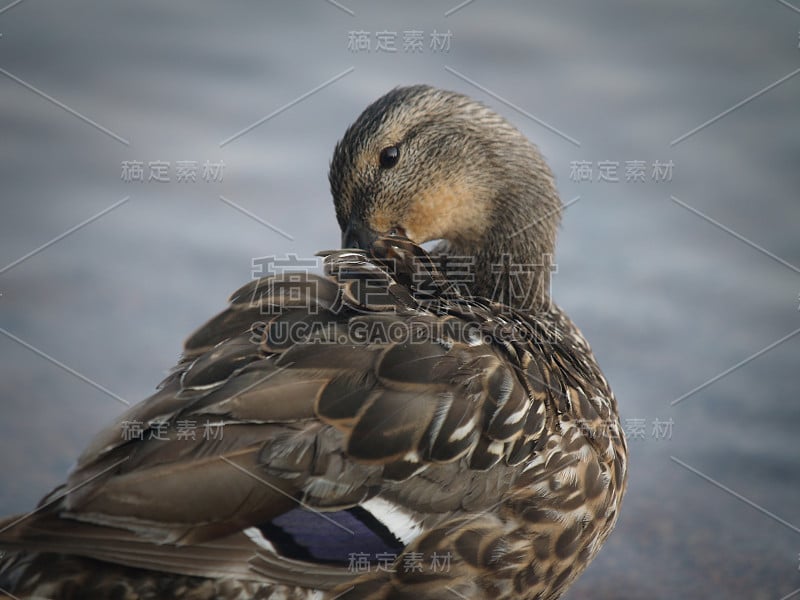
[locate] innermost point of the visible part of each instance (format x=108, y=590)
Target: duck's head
x=432, y=164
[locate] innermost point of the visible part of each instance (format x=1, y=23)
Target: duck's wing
x=335, y=431
x=304, y=399
x=181, y=482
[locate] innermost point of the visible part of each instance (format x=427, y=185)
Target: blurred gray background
x=689, y=285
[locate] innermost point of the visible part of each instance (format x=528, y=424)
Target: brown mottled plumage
x=450, y=425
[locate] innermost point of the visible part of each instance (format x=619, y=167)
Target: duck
x=409, y=423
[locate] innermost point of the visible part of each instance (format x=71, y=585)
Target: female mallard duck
x=404, y=427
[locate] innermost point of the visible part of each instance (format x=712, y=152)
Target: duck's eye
x=389, y=156
x=397, y=230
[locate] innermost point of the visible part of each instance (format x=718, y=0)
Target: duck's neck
x=513, y=262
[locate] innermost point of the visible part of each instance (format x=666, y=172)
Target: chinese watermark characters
x=287, y=282
x=412, y=562
x=614, y=171
x=292, y=286
x=637, y=429
x=163, y=430
x=162, y=171
x=411, y=41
